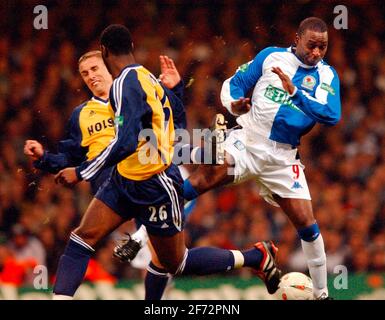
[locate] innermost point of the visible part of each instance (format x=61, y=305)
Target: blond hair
x=90, y=54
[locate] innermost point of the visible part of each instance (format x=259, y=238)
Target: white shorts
x=273, y=165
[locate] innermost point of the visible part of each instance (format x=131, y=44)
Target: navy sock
x=253, y=258
x=189, y=192
x=72, y=266
x=155, y=282
x=207, y=260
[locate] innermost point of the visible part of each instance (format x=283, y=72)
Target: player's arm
x=70, y=152
x=47, y=161
x=235, y=89
x=325, y=107
x=129, y=99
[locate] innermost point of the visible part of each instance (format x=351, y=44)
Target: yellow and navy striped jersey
x=144, y=128
x=89, y=131
x=96, y=121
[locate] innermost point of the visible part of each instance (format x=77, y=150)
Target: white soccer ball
x=295, y=286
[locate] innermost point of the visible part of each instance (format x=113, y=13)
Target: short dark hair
x=313, y=24
x=117, y=39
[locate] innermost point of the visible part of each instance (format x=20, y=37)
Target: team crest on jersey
x=239, y=145
x=308, y=82
x=92, y=113
x=119, y=121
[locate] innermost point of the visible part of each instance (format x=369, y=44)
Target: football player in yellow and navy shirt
x=150, y=192
x=90, y=128
x=91, y=125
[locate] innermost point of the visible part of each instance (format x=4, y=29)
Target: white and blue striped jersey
x=274, y=113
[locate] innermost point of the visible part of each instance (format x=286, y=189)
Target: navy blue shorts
x=100, y=179
x=157, y=202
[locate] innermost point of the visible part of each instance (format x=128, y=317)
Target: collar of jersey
x=100, y=99
x=303, y=65
x=134, y=65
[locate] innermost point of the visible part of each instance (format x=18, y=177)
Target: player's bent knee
x=173, y=269
x=170, y=266
x=303, y=219
x=91, y=237
x=175, y=265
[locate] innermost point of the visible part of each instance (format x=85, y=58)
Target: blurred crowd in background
x=40, y=86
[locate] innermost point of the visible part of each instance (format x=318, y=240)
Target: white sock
x=239, y=259
x=61, y=297
x=141, y=235
x=316, y=260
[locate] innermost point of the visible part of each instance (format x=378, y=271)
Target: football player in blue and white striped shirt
x=292, y=90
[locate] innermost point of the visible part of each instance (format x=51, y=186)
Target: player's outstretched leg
x=73, y=263
x=209, y=260
x=205, y=178
x=213, y=152
x=301, y=215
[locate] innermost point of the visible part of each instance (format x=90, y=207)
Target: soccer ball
x=295, y=286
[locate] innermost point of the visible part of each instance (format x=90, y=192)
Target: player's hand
x=169, y=76
x=67, y=177
x=240, y=106
x=33, y=149
x=286, y=82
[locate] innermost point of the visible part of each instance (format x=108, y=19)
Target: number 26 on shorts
x=156, y=214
